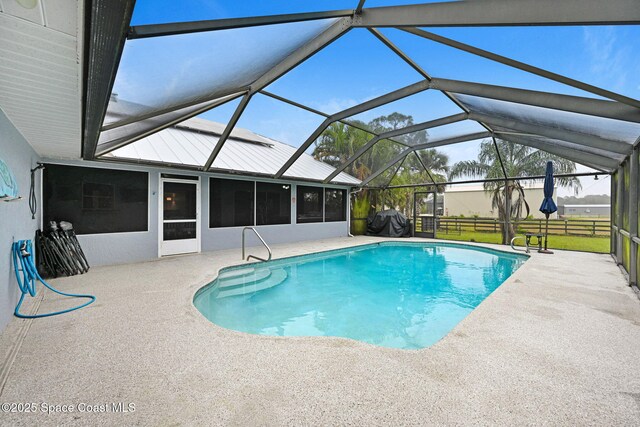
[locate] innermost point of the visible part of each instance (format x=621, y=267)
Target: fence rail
x=556, y=227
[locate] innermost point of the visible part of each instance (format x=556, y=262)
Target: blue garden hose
x=23, y=262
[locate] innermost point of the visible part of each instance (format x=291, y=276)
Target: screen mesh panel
x=421, y=107
x=309, y=204
x=138, y=129
x=617, y=130
x=171, y=71
x=335, y=205
x=96, y=200
x=230, y=202
x=149, y=12
x=353, y=69
x=273, y=203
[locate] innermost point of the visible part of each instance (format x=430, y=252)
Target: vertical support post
x=612, y=245
x=507, y=217
x=349, y=213
x=633, y=215
x=619, y=205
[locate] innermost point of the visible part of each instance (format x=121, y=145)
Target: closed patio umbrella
x=548, y=205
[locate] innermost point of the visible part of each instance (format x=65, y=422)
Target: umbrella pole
x=546, y=237
x=546, y=232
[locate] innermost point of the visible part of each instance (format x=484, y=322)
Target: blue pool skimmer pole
x=23, y=262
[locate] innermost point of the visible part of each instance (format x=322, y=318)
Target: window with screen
x=230, y=203
x=273, y=203
x=309, y=204
x=96, y=200
x=335, y=202
x=98, y=196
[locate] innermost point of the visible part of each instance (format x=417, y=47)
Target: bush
x=361, y=206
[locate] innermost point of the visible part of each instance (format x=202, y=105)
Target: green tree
x=518, y=160
x=340, y=142
x=412, y=172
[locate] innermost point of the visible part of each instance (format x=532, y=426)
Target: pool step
x=274, y=278
x=245, y=276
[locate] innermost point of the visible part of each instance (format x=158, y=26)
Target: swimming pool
x=393, y=294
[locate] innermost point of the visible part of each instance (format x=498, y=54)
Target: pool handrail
x=261, y=239
x=519, y=250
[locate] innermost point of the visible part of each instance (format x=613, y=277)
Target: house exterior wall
x=15, y=217
x=478, y=202
x=122, y=248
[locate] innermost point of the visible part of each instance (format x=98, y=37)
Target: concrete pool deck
x=557, y=343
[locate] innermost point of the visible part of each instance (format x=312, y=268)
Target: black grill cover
x=389, y=223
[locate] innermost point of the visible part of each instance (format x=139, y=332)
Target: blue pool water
x=401, y=295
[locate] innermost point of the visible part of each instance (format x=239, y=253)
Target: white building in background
x=473, y=200
x=587, y=211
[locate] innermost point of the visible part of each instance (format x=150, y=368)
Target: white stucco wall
x=15, y=217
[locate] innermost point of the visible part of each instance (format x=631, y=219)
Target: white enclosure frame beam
x=554, y=133
x=479, y=181
x=493, y=13
x=432, y=144
x=107, y=147
x=325, y=38
x=565, y=150
x=574, y=104
x=227, y=130
x=426, y=169
x=633, y=215
x=323, y=114
x=396, y=132
x=444, y=14
x=318, y=43
x=159, y=30
x=357, y=109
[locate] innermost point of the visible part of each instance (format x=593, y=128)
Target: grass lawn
x=575, y=243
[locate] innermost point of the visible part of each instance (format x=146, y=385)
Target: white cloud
x=336, y=104
x=608, y=58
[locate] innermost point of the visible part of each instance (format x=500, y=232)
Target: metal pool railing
x=261, y=239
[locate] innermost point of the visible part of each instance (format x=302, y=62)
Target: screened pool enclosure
x=147, y=78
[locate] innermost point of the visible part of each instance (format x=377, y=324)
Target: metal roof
x=191, y=142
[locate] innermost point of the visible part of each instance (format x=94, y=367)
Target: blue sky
x=357, y=67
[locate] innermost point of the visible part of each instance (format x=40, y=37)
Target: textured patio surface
x=558, y=343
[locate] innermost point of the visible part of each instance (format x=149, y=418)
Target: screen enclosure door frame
x=179, y=212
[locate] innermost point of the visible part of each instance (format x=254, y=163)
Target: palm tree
x=412, y=172
x=518, y=160
x=340, y=141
